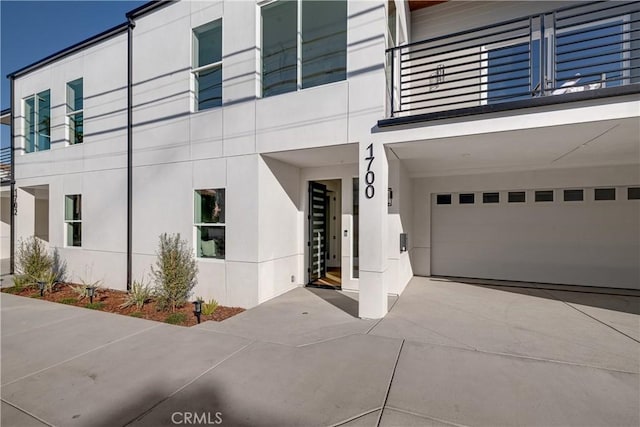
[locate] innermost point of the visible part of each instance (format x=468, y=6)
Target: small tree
x=33, y=261
x=174, y=273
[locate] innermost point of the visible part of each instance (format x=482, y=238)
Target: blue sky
x=32, y=30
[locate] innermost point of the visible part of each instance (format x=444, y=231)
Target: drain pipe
x=132, y=25
x=12, y=197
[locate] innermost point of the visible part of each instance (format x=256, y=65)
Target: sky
x=32, y=30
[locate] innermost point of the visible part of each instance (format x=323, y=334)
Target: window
x=37, y=122
x=633, y=193
x=318, y=57
x=207, y=65
x=209, y=223
x=355, y=234
x=605, y=194
x=508, y=71
x=517, y=197
x=466, y=199
x=490, y=197
x=443, y=199
x=73, y=219
x=544, y=196
x=573, y=195
x=75, y=118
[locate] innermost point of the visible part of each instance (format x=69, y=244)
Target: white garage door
x=585, y=236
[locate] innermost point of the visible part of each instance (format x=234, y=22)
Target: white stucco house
x=351, y=144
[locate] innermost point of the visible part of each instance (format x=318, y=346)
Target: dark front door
x=317, y=231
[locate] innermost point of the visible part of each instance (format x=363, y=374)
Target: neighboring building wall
x=5, y=227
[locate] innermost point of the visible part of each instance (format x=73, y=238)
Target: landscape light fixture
x=197, y=310
x=91, y=290
x=41, y=287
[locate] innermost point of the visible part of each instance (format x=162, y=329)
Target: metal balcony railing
x=575, y=49
x=5, y=165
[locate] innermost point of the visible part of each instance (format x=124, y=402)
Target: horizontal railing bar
x=591, y=21
x=462, y=33
x=616, y=5
x=582, y=49
x=460, y=94
x=516, y=95
x=463, y=87
x=582, y=58
x=600, y=72
x=482, y=36
x=473, y=77
x=588, y=39
x=478, y=69
x=475, y=54
x=597, y=64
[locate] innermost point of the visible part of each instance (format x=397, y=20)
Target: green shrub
x=137, y=314
x=68, y=301
x=20, y=281
x=82, y=292
x=139, y=294
x=95, y=305
x=176, y=318
x=32, y=259
x=12, y=290
x=174, y=273
x=208, y=308
x=49, y=277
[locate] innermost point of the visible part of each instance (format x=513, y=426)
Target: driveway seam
x=24, y=411
x=588, y=315
x=393, y=373
x=187, y=384
x=355, y=417
x=80, y=355
x=416, y=414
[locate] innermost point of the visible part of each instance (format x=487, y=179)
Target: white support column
x=373, y=172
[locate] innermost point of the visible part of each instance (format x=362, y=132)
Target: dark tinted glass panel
x=490, y=197
x=467, y=199
x=324, y=42
x=517, y=197
x=443, y=199
x=605, y=194
x=209, y=88
x=279, y=48
x=209, y=39
x=573, y=195
x=544, y=196
x=633, y=193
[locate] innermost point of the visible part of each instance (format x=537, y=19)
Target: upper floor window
x=75, y=116
x=207, y=65
x=37, y=122
x=304, y=44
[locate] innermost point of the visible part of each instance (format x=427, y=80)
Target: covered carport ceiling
x=609, y=142
x=343, y=154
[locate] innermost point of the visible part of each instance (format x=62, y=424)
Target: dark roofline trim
x=111, y=32
x=121, y=28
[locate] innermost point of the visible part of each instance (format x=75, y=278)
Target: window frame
x=74, y=113
x=198, y=225
x=69, y=222
x=197, y=69
x=299, y=49
x=35, y=122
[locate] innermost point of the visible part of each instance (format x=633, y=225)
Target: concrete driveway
x=448, y=353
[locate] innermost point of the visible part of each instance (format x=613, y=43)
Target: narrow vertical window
x=207, y=65
x=73, y=219
x=209, y=223
x=75, y=116
x=355, y=234
x=279, y=48
x=324, y=42
x=37, y=122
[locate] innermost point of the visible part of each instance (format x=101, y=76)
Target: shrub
x=32, y=259
x=82, y=292
x=174, y=273
x=20, y=281
x=208, y=308
x=49, y=277
x=137, y=314
x=176, y=318
x=140, y=294
x=68, y=301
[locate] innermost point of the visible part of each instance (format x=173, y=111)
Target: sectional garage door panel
x=592, y=243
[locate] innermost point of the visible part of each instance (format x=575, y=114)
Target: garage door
x=588, y=236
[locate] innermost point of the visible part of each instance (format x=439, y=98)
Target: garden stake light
x=41, y=287
x=91, y=291
x=197, y=309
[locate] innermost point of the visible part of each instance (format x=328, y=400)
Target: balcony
x=5, y=166
x=581, y=52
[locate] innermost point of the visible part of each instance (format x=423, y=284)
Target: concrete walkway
x=448, y=353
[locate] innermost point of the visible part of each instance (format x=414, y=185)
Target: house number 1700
x=370, y=176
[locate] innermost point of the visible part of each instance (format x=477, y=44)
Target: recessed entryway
x=324, y=239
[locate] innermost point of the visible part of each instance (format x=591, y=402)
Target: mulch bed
x=109, y=300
